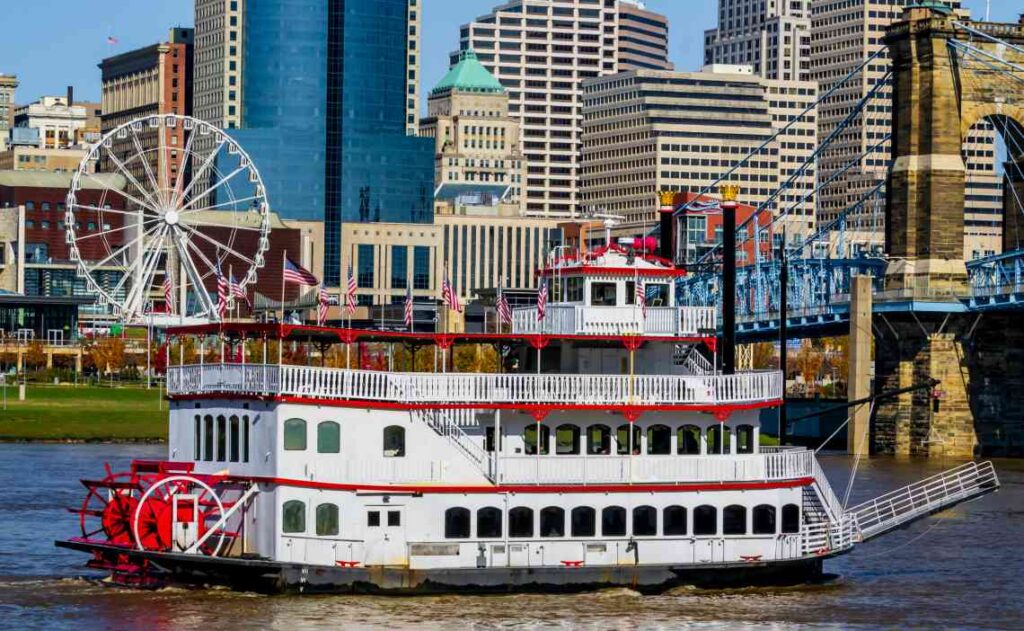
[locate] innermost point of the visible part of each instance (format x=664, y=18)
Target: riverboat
x=610, y=449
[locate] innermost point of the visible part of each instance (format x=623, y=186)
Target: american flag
x=321, y=312
x=168, y=288
x=350, y=293
x=408, y=308
x=542, y=300
x=112, y=40
x=449, y=296
x=222, y=295
x=236, y=291
x=504, y=309
x=294, y=273
x=641, y=297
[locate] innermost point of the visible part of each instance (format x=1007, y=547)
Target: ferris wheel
x=161, y=209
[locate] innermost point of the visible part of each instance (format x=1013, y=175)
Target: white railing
x=923, y=498
x=603, y=469
x=441, y=422
x=465, y=388
x=584, y=320
x=828, y=497
x=823, y=538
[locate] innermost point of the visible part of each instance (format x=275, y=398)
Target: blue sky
x=50, y=44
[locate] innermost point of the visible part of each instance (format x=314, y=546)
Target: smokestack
x=666, y=211
x=71, y=95
x=729, y=194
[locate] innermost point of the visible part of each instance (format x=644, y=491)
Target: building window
x=674, y=520
x=734, y=520
x=613, y=521
x=365, y=273
x=456, y=523
x=488, y=523
x=295, y=434
x=394, y=441
x=328, y=438
x=552, y=521
x=399, y=267
x=520, y=522
x=764, y=519
x=583, y=521
x=293, y=517
x=421, y=267
x=705, y=520
x=790, y=519
x=327, y=520
x=645, y=521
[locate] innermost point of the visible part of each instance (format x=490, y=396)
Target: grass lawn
x=84, y=413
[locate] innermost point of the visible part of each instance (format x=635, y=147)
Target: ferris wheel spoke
x=221, y=204
x=135, y=301
x=182, y=244
x=124, y=277
x=126, y=172
x=145, y=163
x=117, y=211
x=113, y=230
x=211, y=189
x=211, y=266
x=185, y=159
x=125, y=194
x=124, y=247
x=219, y=245
x=200, y=172
x=192, y=222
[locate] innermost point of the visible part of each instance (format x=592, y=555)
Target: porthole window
x=790, y=519
x=764, y=519
x=705, y=520
x=734, y=520
x=520, y=522
x=394, y=441
x=293, y=517
x=674, y=520
x=456, y=523
x=552, y=521
x=328, y=438
x=584, y=522
x=488, y=523
x=295, y=434
x=645, y=521
x=327, y=520
x=613, y=521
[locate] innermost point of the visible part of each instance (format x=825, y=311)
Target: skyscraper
x=8, y=85
x=217, y=88
x=773, y=37
x=327, y=99
x=541, y=51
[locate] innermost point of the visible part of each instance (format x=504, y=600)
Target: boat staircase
x=920, y=499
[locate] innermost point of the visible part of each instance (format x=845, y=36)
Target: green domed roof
x=468, y=75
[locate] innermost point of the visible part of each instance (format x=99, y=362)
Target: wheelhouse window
x=222, y=439
x=234, y=442
x=734, y=520
x=245, y=438
x=208, y=438
x=688, y=440
x=613, y=521
x=674, y=520
x=718, y=439
x=456, y=523
x=328, y=438
x=790, y=519
x=603, y=294
x=645, y=521
x=567, y=440
x=764, y=519
x=327, y=520
x=659, y=440
x=535, y=442
x=583, y=521
x=624, y=436
x=394, y=441
x=745, y=439
x=520, y=522
x=293, y=517
x=295, y=434
x=705, y=520
x=599, y=440
x=197, y=453
x=488, y=523
x=552, y=521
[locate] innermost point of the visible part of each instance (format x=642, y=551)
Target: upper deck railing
x=483, y=389
x=587, y=320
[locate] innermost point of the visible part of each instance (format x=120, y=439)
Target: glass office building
x=325, y=95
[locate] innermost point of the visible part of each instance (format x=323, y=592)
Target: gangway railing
x=923, y=498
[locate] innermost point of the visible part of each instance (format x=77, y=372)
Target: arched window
x=645, y=521
x=716, y=434
x=293, y=517
x=222, y=438
x=623, y=437
x=705, y=520
x=745, y=439
x=764, y=519
x=734, y=520
x=295, y=434
x=456, y=523
x=328, y=438
x=394, y=441
x=530, y=442
x=208, y=437
x=599, y=440
x=674, y=520
x=520, y=522
x=659, y=440
x=613, y=521
x=567, y=440
x=688, y=440
x=790, y=518
x=327, y=520
x=488, y=523
x=552, y=521
x=198, y=435
x=584, y=522
x=234, y=447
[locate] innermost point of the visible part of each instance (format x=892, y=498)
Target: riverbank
x=84, y=414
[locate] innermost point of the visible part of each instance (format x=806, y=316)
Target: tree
x=35, y=355
x=107, y=354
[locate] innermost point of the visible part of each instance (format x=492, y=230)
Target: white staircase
x=446, y=427
x=923, y=498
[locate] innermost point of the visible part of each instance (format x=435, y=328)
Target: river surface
x=963, y=568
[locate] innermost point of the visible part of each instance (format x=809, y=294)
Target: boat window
x=456, y=523
x=745, y=439
x=196, y=451
x=394, y=441
x=488, y=522
x=584, y=521
x=208, y=438
x=645, y=521
x=293, y=517
x=328, y=438
x=373, y=519
x=603, y=294
x=599, y=440
x=489, y=439
x=552, y=521
x=567, y=440
x=222, y=438
x=734, y=520
x=295, y=434
x=530, y=439
x=613, y=521
x=688, y=440
x=764, y=519
x=520, y=522
x=245, y=438
x=656, y=294
x=622, y=434
x=394, y=518
x=674, y=520
x=705, y=520
x=234, y=446
x=715, y=439
x=327, y=520
x=659, y=440
x=790, y=518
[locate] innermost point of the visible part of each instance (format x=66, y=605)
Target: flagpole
x=284, y=263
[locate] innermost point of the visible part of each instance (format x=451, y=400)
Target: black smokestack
x=666, y=213
x=71, y=95
x=728, y=286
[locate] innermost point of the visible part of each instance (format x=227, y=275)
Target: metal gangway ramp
x=925, y=497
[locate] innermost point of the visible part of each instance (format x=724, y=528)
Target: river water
x=963, y=568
